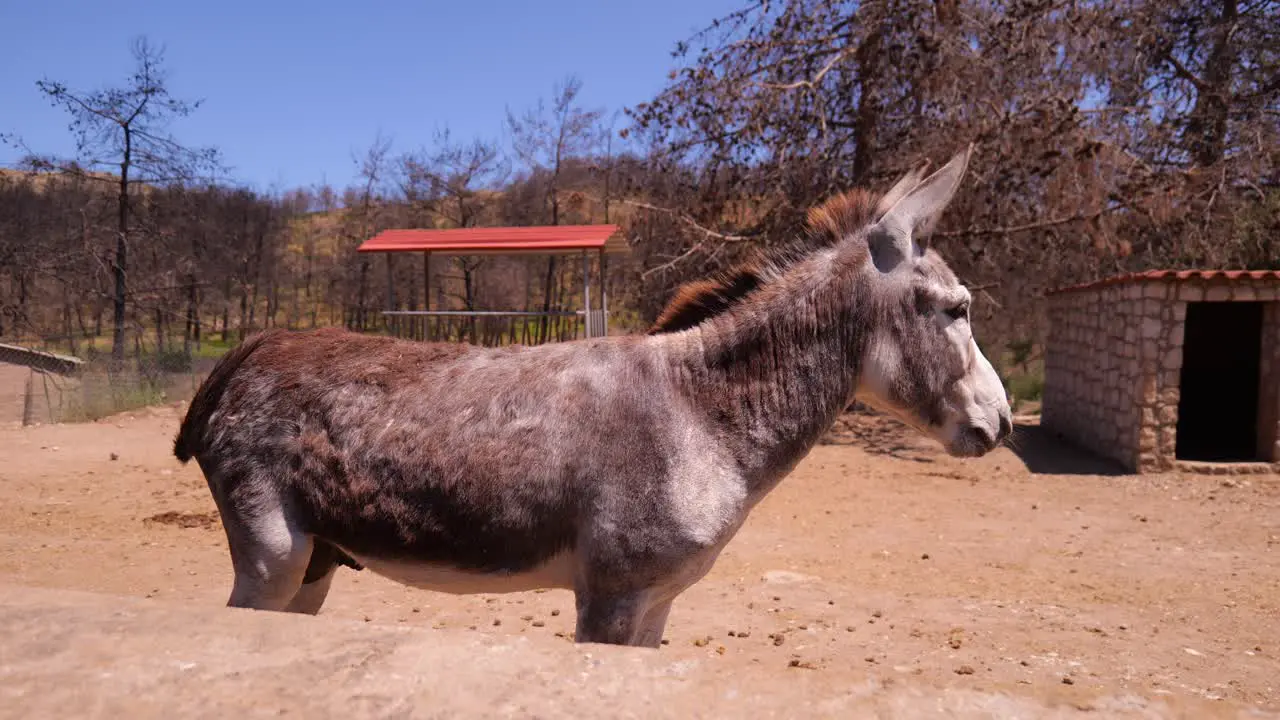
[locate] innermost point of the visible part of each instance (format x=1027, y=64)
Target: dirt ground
x=1036, y=571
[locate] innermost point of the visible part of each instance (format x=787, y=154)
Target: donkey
x=615, y=467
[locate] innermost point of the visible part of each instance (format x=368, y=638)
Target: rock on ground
x=74, y=654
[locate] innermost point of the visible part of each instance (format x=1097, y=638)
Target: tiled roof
x=1174, y=275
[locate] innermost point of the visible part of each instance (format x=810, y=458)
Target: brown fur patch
x=827, y=224
x=186, y=444
x=696, y=301
x=843, y=215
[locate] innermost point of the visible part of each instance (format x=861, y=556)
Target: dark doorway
x=1218, y=408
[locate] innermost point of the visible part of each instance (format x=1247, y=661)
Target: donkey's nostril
x=1006, y=428
x=983, y=436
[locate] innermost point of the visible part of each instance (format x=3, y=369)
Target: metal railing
x=495, y=327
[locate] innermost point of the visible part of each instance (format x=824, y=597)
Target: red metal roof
x=1173, y=275
x=508, y=240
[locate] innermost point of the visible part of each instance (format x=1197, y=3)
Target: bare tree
x=453, y=183
x=123, y=131
x=1111, y=136
x=365, y=215
x=544, y=138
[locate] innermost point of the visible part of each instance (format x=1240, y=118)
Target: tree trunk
x=226, y=312
x=868, y=117
x=273, y=301
x=544, y=325
x=21, y=320
x=256, y=277
x=159, y=328
x=137, y=337
x=561, y=303
x=468, y=283
x=412, y=301
x=360, y=300
x=244, y=313
x=66, y=322
x=84, y=329
x=311, y=302
x=528, y=301
x=391, y=283
x=122, y=254
x=1207, y=125
x=192, y=330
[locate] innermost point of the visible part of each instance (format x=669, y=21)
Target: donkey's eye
x=958, y=312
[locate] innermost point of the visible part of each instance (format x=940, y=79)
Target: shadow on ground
x=1044, y=453
x=878, y=434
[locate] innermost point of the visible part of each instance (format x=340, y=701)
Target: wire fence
x=33, y=395
x=45, y=386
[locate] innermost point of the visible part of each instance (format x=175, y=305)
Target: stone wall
x=1269, y=397
x=1091, y=371
x=1163, y=324
x=1114, y=358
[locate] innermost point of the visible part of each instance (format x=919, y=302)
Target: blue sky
x=291, y=90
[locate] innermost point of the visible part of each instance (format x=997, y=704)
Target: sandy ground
x=1039, y=571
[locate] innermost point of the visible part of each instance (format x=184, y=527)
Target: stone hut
x=1167, y=369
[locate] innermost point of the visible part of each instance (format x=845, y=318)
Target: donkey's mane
x=827, y=224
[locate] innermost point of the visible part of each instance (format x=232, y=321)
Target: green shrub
x=1020, y=352
x=1027, y=387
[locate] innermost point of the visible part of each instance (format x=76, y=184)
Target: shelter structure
x=1168, y=369
x=590, y=242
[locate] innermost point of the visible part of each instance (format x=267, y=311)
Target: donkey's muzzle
x=978, y=440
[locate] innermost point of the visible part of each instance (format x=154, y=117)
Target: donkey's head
x=921, y=363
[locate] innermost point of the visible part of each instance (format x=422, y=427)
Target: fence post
x=48, y=400
x=586, y=294
x=28, y=398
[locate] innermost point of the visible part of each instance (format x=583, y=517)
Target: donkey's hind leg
x=269, y=553
x=317, y=579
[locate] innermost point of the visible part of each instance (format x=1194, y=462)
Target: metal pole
x=586, y=290
x=604, y=296
x=426, y=295
x=391, y=283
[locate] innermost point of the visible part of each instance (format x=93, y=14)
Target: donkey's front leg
x=612, y=618
x=653, y=625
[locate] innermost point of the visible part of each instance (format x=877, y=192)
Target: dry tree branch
x=1021, y=228
x=727, y=237
x=1181, y=71
x=683, y=218
x=670, y=264
x=813, y=81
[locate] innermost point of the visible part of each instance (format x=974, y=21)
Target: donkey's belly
x=555, y=573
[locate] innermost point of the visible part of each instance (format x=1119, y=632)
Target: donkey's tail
x=190, y=439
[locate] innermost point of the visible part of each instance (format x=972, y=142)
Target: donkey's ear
x=913, y=216
x=900, y=189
